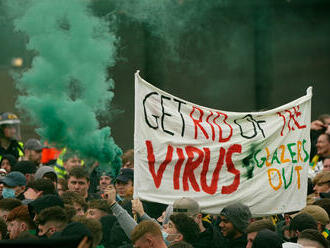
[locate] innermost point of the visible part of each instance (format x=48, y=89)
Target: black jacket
x=208, y=238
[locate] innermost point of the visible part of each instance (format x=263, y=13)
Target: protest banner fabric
x=217, y=157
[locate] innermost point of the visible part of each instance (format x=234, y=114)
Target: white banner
x=219, y=157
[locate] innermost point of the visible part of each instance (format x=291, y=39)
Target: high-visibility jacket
x=60, y=171
x=15, y=148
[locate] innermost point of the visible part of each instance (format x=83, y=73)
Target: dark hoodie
x=11, y=159
x=107, y=222
x=207, y=238
x=267, y=239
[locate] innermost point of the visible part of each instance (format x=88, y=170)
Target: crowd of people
x=55, y=198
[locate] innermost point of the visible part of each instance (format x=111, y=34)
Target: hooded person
x=267, y=239
x=7, y=162
x=234, y=219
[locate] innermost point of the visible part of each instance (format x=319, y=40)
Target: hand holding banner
x=219, y=157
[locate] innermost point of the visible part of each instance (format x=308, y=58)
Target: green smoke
x=173, y=21
x=67, y=86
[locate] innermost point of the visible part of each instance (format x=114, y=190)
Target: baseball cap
x=186, y=206
x=125, y=175
x=33, y=144
x=14, y=179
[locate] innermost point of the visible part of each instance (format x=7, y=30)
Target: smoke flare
x=67, y=86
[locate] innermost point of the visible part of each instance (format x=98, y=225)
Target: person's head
x=325, y=119
x=38, y=188
x=19, y=221
x=256, y=226
x=6, y=205
x=312, y=238
x=147, y=234
x=51, y=220
x=165, y=217
x=77, y=229
x=234, y=220
x=323, y=145
x=71, y=160
x=14, y=184
x=79, y=181
x=319, y=214
x=75, y=200
x=94, y=226
x=189, y=207
x=9, y=126
x=32, y=150
x=46, y=172
x=181, y=227
x=27, y=168
x=105, y=180
x=8, y=161
x=267, y=239
x=97, y=209
x=62, y=186
x=326, y=164
x=124, y=182
x=299, y=223
x=45, y=201
x=322, y=183
x=128, y=159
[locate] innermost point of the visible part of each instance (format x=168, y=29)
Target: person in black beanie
x=234, y=221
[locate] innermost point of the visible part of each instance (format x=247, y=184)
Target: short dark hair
x=44, y=185
x=314, y=235
x=93, y=225
x=9, y=204
x=186, y=226
x=21, y=213
x=301, y=222
x=25, y=167
x=79, y=172
x=56, y=214
x=101, y=205
x=70, y=197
